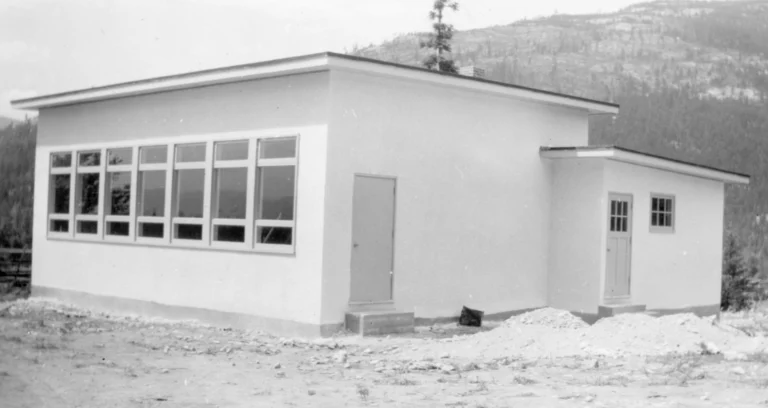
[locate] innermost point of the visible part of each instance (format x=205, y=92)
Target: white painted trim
x=234, y=222
x=304, y=64
x=646, y=161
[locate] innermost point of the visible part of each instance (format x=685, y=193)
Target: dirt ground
x=53, y=355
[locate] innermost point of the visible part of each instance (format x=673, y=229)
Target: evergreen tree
x=741, y=284
x=440, y=40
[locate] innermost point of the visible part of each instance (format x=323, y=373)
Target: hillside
x=691, y=76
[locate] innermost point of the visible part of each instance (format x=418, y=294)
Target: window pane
x=232, y=150
x=613, y=207
x=153, y=154
x=61, y=183
x=120, y=156
x=89, y=159
x=277, y=148
x=59, y=225
x=190, y=153
x=151, y=230
x=117, y=228
x=277, y=192
x=188, y=231
x=152, y=193
x=274, y=235
x=88, y=194
x=61, y=159
x=119, y=193
x=613, y=223
x=654, y=219
x=229, y=193
x=624, y=223
x=87, y=227
x=189, y=193
x=229, y=233
x=661, y=204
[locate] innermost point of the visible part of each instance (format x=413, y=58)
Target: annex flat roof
x=625, y=155
x=306, y=64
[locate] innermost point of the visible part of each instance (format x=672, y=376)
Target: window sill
x=662, y=230
x=162, y=243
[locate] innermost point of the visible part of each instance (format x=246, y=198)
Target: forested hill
x=691, y=78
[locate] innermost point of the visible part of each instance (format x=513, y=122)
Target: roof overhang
x=306, y=64
x=620, y=154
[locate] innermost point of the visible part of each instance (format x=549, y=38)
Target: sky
x=50, y=46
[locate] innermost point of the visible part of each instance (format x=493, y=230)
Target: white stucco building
x=285, y=194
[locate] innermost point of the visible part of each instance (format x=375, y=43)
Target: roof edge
x=303, y=64
x=625, y=155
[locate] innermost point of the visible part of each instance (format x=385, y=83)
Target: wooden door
x=619, y=250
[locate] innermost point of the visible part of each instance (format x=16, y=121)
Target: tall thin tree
x=440, y=39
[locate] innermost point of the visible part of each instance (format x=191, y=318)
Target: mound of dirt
x=548, y=317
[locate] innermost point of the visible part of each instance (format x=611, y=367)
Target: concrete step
x=374, y=322
x=613, y=310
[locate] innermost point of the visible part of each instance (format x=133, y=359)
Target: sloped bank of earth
x=551, y=333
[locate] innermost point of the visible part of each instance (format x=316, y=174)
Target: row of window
x=662, y=214
x=238, y=194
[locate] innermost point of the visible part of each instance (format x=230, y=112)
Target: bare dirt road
x=52, y=355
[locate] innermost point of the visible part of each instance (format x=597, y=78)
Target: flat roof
x=305, y=64
x=625, y=155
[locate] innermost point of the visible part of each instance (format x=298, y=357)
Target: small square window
x=59, y=226
x=188, y=231
x=229, y=233
x=275, y=235
x=117, y=228
x=281, y=148
x=151, y=229
x=87, y=227
x=237, y=150
x=662, y=213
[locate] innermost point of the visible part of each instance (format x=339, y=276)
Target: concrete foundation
x=377, y=322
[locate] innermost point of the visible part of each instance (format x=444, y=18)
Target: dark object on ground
x=471, y=317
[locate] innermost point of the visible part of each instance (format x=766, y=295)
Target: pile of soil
x=550, y=333
x=548, y=317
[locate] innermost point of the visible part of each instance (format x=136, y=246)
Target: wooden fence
x=15, y=266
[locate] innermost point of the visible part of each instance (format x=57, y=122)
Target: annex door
x=619, y=250
x=373, y=227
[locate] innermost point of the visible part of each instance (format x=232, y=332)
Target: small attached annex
x=301, y=195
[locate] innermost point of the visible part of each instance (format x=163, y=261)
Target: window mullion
x=72, y=195
x=250, y=191
x=134, y=192
x=207, y=189
x=167, y=233
x=100, y=210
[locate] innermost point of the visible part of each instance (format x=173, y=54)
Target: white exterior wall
x=472, y=210
x=672, y=270
x=285, y=287
x=576, y=235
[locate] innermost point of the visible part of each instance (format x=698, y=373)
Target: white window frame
x=251, y=223
x=165, y=219
x=294, y=161
x=204, y=222
x=100, y=169
x=672, y=213
x=70, y=216
x=250, y=165
x=131, y=217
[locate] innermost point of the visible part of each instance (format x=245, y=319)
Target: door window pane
x=119, y=193
x=229, y=233
x=275, y=235
x=277, y=186
x=189, y=193
x=61, y=159
x=120, y=156
x=61, y=185
x=229, y=193
x=152, y=193
x=153, y=154
x=232, y=150
x=88, y=193
x=89, y=159
x=277, y=148
x=190, y=153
